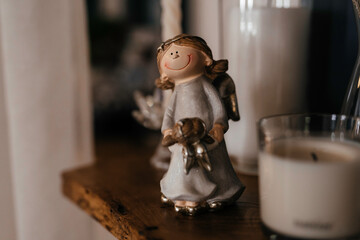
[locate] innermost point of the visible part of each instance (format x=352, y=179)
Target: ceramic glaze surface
x=186, y=66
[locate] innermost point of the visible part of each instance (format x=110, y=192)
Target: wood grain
x=121, y=191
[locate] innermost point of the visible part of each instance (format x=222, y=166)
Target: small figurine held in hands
x=191, y=134
x=200, y=175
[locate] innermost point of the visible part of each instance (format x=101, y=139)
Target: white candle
x=266, y=48
x=310, y=187
x=170, y=18
x=170, y=27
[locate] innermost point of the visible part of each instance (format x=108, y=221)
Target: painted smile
x=177, y=69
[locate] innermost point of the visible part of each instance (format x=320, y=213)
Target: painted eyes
x=175, y=52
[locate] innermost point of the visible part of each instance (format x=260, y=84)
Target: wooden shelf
x=121, y=191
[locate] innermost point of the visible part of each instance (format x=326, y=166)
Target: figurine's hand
x=217, y=132
x=167, y=132
x=168, y=140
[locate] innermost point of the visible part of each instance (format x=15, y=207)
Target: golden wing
x=226, y=87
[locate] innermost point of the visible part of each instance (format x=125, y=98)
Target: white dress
x=199, y=98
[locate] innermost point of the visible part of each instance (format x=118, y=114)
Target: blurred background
x=123, y=44
x=68, y=73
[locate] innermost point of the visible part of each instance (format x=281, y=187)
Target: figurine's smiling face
x=180, y=62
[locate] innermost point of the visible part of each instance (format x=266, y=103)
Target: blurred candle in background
x=170, y=18
x=170, y=27
x=266, y=44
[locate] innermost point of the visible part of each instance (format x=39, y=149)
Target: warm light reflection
x=250, y=4
x=247, y=27
x=246, y=24
x=242, y=4
x=246, y=4
x=286, y=3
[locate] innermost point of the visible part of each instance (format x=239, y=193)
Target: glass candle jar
x=309, y=170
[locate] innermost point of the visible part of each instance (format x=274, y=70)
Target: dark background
x=332, y=54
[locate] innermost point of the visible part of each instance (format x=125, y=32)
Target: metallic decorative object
x=194, y=152
x=150, y=111
x=150, y=115
x=351, y=104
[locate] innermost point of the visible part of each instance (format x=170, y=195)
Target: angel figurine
x=200, y=175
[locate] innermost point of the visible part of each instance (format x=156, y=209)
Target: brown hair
x=212, y=71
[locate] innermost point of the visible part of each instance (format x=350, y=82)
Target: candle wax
x=310, y=187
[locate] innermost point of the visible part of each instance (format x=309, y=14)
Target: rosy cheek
x=192, y=58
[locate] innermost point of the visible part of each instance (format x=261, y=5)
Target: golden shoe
x=216, y=206
x=165, y=201
x=191, y=211
x=180, y=209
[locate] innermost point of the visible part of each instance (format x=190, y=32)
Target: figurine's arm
x=220, y=125
x=217, y=132
x=168, y=120
x=168, y=139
